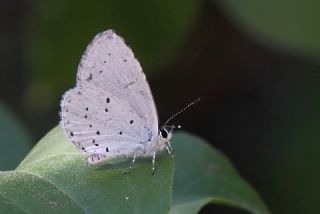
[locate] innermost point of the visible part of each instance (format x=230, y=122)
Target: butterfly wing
x=98, y=122
x=111, y=110
x=109, y=64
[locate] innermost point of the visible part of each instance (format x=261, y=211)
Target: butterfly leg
x=133, y=161
x=169, y=149
x=153, y=162
x=169, y=144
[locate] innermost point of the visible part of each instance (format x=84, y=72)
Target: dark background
x=255, y=64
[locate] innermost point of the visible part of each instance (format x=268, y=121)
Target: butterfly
x=110, y=113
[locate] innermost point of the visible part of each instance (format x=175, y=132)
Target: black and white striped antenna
x=182, y=110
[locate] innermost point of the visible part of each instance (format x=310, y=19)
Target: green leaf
x=23, y=192
x=15, y=140
x=204, y=175
x=54, y=178
x=288, y=25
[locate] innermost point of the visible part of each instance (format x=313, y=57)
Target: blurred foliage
x=204, y=175
x=275, y=116
x=289, y=25
x=56, y=176
x=59, y=32
x=295, y=132
x=15, y=140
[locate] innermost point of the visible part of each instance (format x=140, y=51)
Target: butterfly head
x=165, y=132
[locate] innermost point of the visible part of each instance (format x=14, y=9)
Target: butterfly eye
x=164, y=133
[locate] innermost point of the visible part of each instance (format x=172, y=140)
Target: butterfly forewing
x=109, y=64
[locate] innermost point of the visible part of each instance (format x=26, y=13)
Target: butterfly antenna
x=182, y=110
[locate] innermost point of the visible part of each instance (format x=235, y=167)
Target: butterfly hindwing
x=98, y=122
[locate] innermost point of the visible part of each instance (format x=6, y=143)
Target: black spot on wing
x=90, y=77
